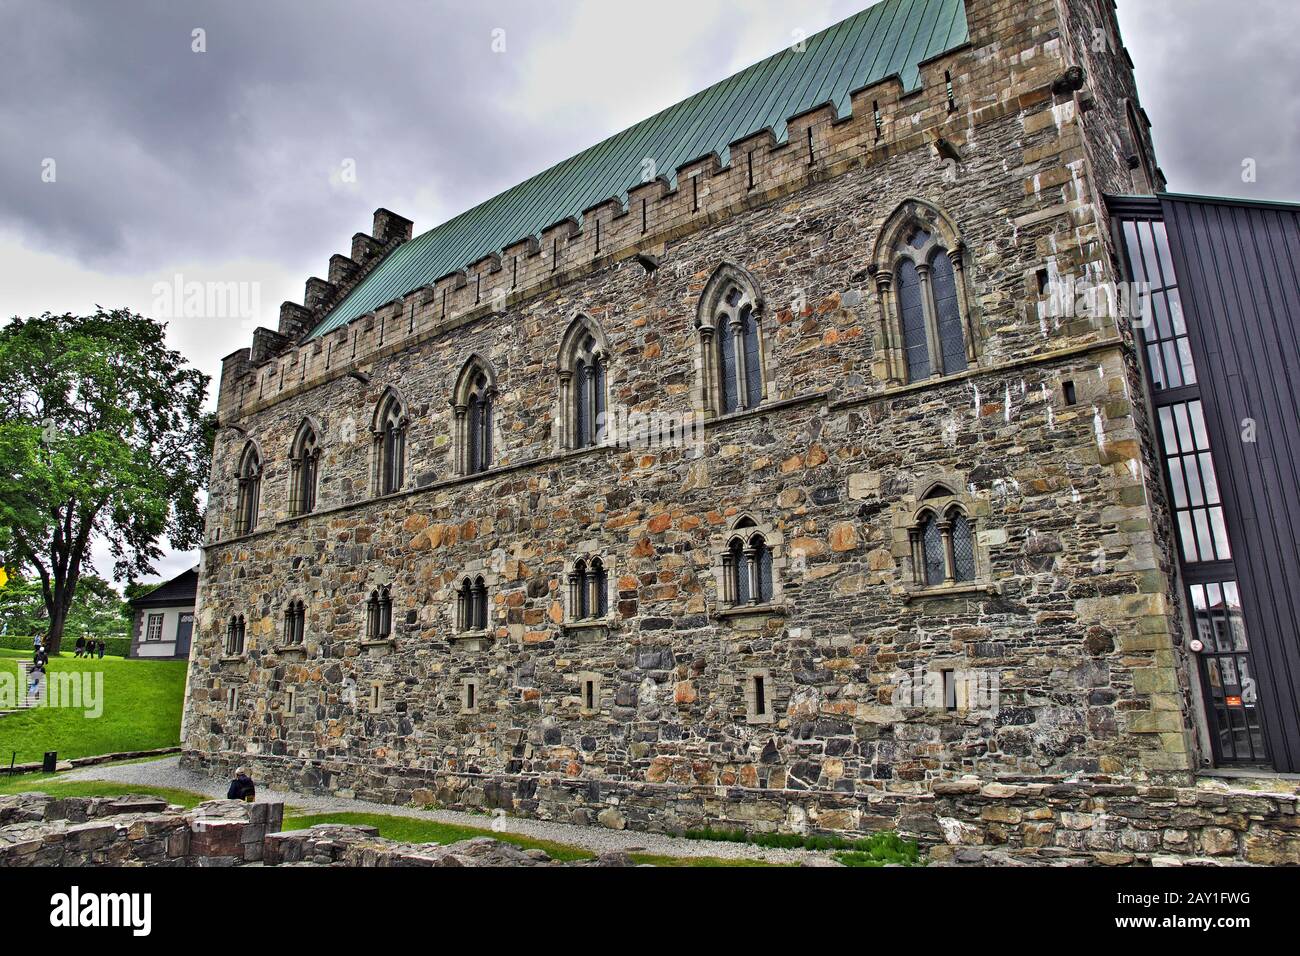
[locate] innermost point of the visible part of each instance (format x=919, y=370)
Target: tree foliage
x=102, y=434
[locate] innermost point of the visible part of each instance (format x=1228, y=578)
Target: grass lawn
x=414, y=830
x=141, y=702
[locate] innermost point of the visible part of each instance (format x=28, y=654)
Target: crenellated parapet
x=1008, y=68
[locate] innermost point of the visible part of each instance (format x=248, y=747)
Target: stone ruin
x=39, y=830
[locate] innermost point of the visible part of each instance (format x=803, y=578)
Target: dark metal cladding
x=1238, y=265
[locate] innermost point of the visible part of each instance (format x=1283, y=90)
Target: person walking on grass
x=242, y=787
x=81, y=647
x=102, y=648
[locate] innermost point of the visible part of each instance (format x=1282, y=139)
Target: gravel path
x=168, y=773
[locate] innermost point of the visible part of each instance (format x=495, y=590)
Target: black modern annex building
x=1221, y=350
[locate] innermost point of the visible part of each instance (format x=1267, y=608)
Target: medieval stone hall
x=751, y=468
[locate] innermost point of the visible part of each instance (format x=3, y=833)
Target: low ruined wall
x=968, y=821
x=1113, y=824
x=39, y=830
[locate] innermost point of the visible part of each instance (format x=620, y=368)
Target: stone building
x=739, y=468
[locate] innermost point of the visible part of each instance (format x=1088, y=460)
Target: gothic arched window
x=249, y=499
x=389, y=431
x=236, y=631
x=304, y=470
x=471, y=605
x=921, y=287
x=472, y=404
x=943, y=543
x=732, y=353
x=379, y=614
x=588, y=590
x=584, y=385
x=747, y=567
x=295, y=623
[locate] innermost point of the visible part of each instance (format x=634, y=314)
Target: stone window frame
x=232, y=700
x=235, y=645
x=379, y=615
x=377, y=698
x=589, y=688
x=473, y=434
x=752, y=713
x=388, y=430
x=449, y=597
x=248, y=497
x=291, y=701
x=583, y=342
x=909, y=516
x=745, y=528
x=588, y=552
x=295, y=623
x=891, y=250
x=304, y=468
x=714, y=307
x=471, y=695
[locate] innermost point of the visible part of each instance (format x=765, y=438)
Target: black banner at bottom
x=303, y=904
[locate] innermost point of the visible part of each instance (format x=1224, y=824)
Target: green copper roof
x=892, y=37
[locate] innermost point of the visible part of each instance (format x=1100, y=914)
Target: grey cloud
x=163, y=153
x=1217, y=80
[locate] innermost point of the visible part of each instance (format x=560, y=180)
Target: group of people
x=85, y=648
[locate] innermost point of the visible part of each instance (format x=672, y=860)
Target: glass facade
x=1224, y=658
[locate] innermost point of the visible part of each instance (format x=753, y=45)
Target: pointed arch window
x=943, y=545
x=732, y=352
x=295, y=623
x=236, y=631
x=472, y=605
x=584, y=385
x=923, y=297
x=304, y=470
x=249, y=498
x=473, y=407
x=588, y=590
x=747, y=567
x=379, y=614
x=389, y=453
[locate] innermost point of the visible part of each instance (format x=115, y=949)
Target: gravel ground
x=168, y=773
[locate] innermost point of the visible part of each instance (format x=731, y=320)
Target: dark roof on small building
x=891, y=38
x=180, y=590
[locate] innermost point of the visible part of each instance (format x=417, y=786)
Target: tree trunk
x=54, y=633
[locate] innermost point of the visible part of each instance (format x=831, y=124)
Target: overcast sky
x=257, y=158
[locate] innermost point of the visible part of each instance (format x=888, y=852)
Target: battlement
x=1013, y=60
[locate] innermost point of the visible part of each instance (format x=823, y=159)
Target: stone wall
x=1072, y=619
x=38, y=830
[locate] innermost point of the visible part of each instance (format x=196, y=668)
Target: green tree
x=102, y=433
x=97, y=611
x=132, y=591
x=22, y=610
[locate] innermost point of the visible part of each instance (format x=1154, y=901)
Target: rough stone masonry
x=1070, y=630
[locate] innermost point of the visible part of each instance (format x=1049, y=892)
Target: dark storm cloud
x=163, y=152
x=1217, y=78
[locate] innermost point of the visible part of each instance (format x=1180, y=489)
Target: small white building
x=163, y=623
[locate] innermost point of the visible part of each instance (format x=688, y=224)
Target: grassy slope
x=141, y=711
